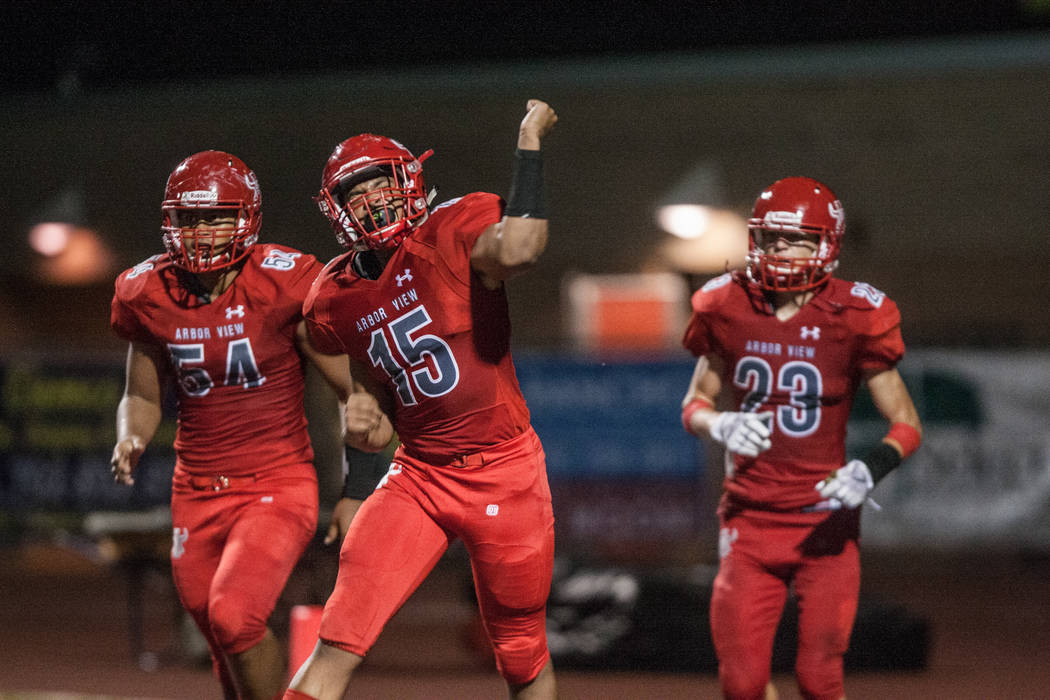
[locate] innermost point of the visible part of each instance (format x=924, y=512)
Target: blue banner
x=610, y=419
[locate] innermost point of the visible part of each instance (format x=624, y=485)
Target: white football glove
x=745, y=434
x=849, y=484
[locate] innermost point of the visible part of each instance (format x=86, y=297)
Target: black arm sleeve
x=526, y=197
x=882, y=460
x=363, y=472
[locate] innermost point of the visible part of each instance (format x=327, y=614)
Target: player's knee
x=234, y=626
x=742, y=681
x=819, y=676
x=519, y=642
x=521, y=659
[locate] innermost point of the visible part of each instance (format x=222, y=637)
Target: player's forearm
x=697, y=415
x=137, y=417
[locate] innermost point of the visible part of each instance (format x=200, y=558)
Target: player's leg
x=512, y=584
x=827, y=588
x=195, y=553
x=509, y=533
x=273, y=525
x=392, y=545
x=746, y=604
x=326, y=673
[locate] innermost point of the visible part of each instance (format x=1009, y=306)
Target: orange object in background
x=627, y=312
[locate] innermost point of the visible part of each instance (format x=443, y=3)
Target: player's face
x=210, y=231
x=787, y=244
x=374, y=203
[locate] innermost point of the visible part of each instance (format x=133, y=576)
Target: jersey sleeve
x=317, y=309
x=459, y=224
x=878, y=329
x=306, y=272
x=324, y=338
x=124, y=317
x=697, y=339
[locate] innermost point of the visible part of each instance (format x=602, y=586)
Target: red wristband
x=692, y=407
x=906, y=436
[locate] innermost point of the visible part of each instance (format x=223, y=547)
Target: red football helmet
x=382, y=217
x=797, y=205
x=206, y=186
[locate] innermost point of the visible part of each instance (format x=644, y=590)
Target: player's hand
x=363, y=415
x=849, y=484
x=342, y=515
x=538, y=122
x=125, y=458
x=745, y=434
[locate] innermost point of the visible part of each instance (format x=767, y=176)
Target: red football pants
x=234, y=549
x=761, y=557
x=498, y=502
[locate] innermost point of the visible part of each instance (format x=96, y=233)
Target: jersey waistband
x=475, y=459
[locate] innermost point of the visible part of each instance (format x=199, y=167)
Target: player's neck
x=370, y=264
x=218, y=281
x=787, y=304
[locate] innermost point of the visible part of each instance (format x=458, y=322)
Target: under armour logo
x=239, y=311
x=179, y=535
x=811, y=333
x=401, y=279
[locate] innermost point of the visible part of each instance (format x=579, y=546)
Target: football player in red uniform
x=221, y=315
x=792, y=343
x=418, y=304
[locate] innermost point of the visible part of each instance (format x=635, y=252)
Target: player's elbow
x=522, y=248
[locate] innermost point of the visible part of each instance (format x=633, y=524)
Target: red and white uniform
x=431, y=333
x=240, y=397
x=469, y=464
x=244, y=496
x=774, y=530
x=806, y=370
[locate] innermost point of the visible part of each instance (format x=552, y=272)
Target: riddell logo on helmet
x=793, y=218
x=198, y=197
x=351, y=166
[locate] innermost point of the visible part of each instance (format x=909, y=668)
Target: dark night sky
x=107, y=44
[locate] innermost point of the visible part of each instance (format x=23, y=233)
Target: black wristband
x=363, y=472
x=526, y=186
x=882, y=460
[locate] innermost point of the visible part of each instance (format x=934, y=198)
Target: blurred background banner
x=57, y=432
x=620, y=465
x=982, y=475
x=610, y=419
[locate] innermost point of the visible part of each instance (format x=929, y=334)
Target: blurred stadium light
x=69, y=252
x=709, y=235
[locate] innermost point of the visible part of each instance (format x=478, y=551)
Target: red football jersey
x=239, y=376
x=429, y=330
x=806, y=370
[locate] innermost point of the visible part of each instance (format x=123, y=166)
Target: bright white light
x=684, y=220
x=50, y=238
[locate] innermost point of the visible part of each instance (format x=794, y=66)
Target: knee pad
x=520, y=659
x=233, y=624
x=741, y=682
